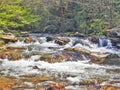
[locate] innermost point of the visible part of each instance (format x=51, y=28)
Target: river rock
x=24, y=34
x=58, y=40
x=110, y=85
x=15, y=48
x=7, y=84
x=50, y=38
x=10, y=54
x=62, y=56
x=49, y=85
x=94, y=39
x=29, y=40
x=62, y=41
x=8, y=38
x=115, y=32
x=95, y=57
x=2, y=43
x=52, y=58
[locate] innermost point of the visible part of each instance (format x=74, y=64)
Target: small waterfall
x=109, y=43
x=100, y=44
x=103, y=42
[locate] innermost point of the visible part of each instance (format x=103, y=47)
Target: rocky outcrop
x=62, y=56
x=95, y=57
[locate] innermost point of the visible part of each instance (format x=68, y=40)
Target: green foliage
x=50, y=28
x=55, y=16
x=12, y=15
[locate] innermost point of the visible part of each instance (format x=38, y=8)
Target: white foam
x=79, y=69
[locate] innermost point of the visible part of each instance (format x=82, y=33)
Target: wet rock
x=95, y=57
x=24, y=34
x=94, y=39
x=37, y=80
x=10, y=54
x=15, y=48
x=118, y=45
x=55, y=86
x=50, y=38
x=62, y=56
x=115, y=32
x=7, y=84
x=52, y=58
x=8, y=38
x=29, y=40
x=2, y=43
x=62, y=41
x=58, y=40
x=112, y=61
x=77, y=34
x=111, y=85
x=107, y=87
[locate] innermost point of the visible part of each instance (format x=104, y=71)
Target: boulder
x=55, y=86
x=24, y=34
x=10, y=54
x=50, y=38
x=62, y=41
x=77, y=34
x=29, y=40
x=94, y=39
x=118, y=45
x=8, y=38
x=58, y=40
x=52, y=58
x=95, y=57
x=115, y=32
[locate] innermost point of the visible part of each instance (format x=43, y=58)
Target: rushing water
x=70, y=71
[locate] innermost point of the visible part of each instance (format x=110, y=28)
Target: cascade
x=103, y=42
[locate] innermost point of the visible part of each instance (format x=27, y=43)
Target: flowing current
x=72, y=71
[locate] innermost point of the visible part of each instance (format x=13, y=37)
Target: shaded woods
x=54, y=16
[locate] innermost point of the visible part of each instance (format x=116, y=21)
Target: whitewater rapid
x=71, y=71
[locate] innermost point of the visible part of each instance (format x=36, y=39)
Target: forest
x=55, y=16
